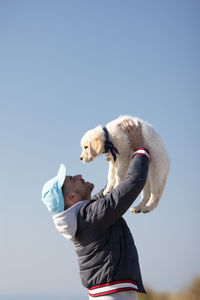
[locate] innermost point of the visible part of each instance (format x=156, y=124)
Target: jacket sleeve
x=106, y=210
x=99, y=194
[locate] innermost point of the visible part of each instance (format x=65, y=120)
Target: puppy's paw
x=146, y=210
x=134, y=210
x=106, y=191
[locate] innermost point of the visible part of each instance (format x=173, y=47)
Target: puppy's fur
x=93, y=145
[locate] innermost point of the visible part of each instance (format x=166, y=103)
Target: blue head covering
x=52, y=195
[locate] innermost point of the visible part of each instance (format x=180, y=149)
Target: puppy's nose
x=81, y=158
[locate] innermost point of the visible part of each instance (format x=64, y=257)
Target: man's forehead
x=67, y=179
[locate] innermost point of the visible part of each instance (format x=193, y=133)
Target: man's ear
x=71, y=198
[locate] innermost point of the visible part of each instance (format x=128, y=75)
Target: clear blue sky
x=66, y=67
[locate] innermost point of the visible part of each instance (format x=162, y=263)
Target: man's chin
x=91, y=186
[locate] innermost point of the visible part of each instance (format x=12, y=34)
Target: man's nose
x=78, y=177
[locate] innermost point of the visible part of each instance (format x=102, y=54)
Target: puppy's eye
x=86, y=147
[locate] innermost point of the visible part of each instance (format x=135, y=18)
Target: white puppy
x=115, y=144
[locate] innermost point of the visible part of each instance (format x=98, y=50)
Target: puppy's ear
x=96, y=147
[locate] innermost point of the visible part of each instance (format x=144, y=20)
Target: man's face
x=78, y=185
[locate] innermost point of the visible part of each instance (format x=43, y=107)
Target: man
x=107, y=256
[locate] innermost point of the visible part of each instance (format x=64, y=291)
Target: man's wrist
x=141, y=151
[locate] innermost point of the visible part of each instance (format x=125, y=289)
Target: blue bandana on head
x=52, y=195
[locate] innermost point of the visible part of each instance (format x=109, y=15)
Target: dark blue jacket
x=103, y=242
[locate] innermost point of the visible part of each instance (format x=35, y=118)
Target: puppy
x=112, y=141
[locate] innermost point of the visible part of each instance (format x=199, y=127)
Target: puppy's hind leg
x=152, y=203
x=146, y=193
x=156, y=193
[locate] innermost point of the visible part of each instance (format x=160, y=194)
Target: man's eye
x=86, y=147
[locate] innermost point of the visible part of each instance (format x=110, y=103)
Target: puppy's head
x=92, y=144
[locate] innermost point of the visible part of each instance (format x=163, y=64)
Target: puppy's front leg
x=122, y=168
x=111, y=177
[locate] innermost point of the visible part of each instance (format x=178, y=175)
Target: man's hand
x=134, y=133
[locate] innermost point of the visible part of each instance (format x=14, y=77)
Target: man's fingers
x=139, y=128
x=127, y=125
x=122, y=126
x=134, y=132
x=130, y=122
